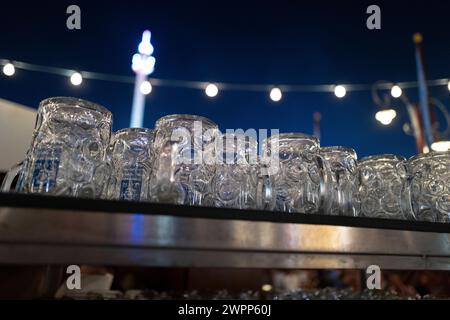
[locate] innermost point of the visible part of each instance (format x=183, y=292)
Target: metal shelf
x=49, y=230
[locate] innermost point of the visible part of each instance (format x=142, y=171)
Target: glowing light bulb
x=146, y=87
x=266, y=287
x=211, y=90
x=340, y=91
x=386, y=116
x=396, y=91
x=9, y=69
x=275, y=94
x=448, y=86
x=76, y=79
x=441, y=146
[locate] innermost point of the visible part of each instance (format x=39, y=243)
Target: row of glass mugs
x=389, y=186
x=179, y=162
x=307, y=178
x=173, y=164
x=71, y=155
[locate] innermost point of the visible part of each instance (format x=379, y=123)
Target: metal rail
x=30, y=235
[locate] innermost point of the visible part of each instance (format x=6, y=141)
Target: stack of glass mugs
x=186, y=160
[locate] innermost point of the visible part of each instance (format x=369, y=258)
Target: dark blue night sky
x=276, y=42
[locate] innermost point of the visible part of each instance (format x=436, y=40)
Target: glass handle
x=406, y=199
x=405, y=193
x=10, y=176
x=166, y=190
x=325, y=185
x=265, y=196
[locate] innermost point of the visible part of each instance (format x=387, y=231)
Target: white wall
x=16, y=127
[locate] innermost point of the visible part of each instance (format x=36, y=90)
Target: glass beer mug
x=239, y=181
x=300, y=177
x=429, y=186
x=68, y=148
x=183, y=166
x=130, y=154
x=341, y=162
x=380, y=190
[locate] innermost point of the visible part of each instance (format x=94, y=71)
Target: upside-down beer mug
x=341, y=162
x=300, y=177
x=380, y=190
x=67, y=152
x=238, y=181
x=131, y=164
x=429, y=186
x=183, y=166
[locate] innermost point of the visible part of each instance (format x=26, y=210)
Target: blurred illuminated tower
x=143, y=64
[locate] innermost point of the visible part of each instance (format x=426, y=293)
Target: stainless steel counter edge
x=29, y=235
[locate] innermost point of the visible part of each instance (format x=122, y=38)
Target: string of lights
x=212, y=89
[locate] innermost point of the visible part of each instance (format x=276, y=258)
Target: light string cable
x=189, y=84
